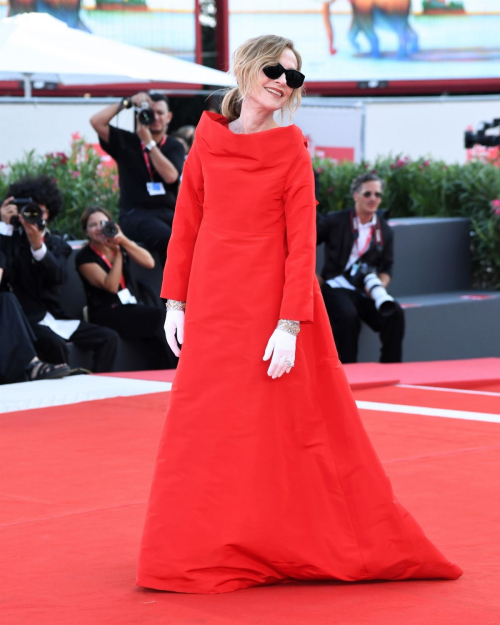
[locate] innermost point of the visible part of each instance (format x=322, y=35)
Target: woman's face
x=94, y=229
x=271, y=94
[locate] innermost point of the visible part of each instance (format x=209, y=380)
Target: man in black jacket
x=36, y=266
x=18, y=359
x=351, y=236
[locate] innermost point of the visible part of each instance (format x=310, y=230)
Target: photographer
x=36, y=261
x=114, y=298
x=18, y=359
x=357, y=270
x=149, y=167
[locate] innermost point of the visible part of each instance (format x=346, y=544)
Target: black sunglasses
x=294, y=79
x=377, y=194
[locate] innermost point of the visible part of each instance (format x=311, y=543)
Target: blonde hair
x=248, y=61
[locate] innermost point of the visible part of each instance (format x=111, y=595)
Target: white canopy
x=40, y=47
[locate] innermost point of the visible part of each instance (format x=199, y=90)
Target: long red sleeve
x=300, y=214
x=185, y=226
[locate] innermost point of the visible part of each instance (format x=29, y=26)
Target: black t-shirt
x=96, y=297
x=126, y=149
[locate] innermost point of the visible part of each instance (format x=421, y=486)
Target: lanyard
x=147, y=160
x=122, y=279
x=377, y=229
x=367, y=245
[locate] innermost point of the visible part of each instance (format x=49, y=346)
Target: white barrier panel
x=47, y=126
x=340, y=128
x=332, y=131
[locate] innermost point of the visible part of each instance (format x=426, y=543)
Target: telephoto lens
x=384, y=303
x=109, y=229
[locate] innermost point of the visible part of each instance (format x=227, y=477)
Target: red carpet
x=480, y=373
x=74, y=480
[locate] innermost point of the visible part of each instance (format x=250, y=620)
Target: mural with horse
x=370, y=15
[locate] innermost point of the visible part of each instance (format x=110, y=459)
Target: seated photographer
x=18, y=359
x=113, y=296
x=149, y=167
x=357, y=271
x=37, y=263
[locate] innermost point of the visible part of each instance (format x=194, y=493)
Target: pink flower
x=495, y=206
x=330, y=189
x=319, y=170
x=426, y=163
x=76, y=136
x=366, y=165
x=75, y=174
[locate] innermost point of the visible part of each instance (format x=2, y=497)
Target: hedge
x=428, y=188
x=81, y=177
x=419, y=188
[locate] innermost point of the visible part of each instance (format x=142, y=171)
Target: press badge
x=126, y=297
x=155, y=188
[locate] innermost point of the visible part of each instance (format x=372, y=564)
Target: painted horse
x=369, y=15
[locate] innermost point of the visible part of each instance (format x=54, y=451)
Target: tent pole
x=27, y=85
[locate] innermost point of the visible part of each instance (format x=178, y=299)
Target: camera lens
x=32, y=213
x=109, y=229
x=146, y=117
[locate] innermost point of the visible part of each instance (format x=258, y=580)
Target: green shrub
x=421, y=188
x=81, y=177
x=427, y=188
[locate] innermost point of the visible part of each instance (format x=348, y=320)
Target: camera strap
x=375, y=230
x=147, y=160
x=108, y=264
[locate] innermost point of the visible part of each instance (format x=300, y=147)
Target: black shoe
x=39, y=370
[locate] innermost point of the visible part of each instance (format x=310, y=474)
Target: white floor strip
x=429, y=412
x=448, y=390
x=71, y=390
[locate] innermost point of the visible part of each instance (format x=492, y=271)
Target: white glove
x=174, y=323
x=282, y=346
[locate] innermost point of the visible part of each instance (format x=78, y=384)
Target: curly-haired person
x=36, y=261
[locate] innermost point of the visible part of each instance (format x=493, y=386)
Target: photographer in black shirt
x=357, y=270
x=149, y=168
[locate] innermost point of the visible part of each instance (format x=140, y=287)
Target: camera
x=30, y=212
x=363, y=275
x=480, y=137
x=109, y=229
x=145, y=114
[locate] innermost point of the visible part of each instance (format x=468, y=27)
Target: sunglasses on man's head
x=294, y=79
x=377, y=194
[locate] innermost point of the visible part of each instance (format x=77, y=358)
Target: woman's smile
x=277, y=93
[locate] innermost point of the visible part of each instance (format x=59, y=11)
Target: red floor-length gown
x=260, y=481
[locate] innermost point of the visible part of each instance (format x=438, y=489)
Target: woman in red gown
x=265, y=473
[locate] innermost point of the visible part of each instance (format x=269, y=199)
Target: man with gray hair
x=357, y=270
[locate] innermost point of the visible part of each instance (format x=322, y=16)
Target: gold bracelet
x=292, y=327
x=173, y=304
